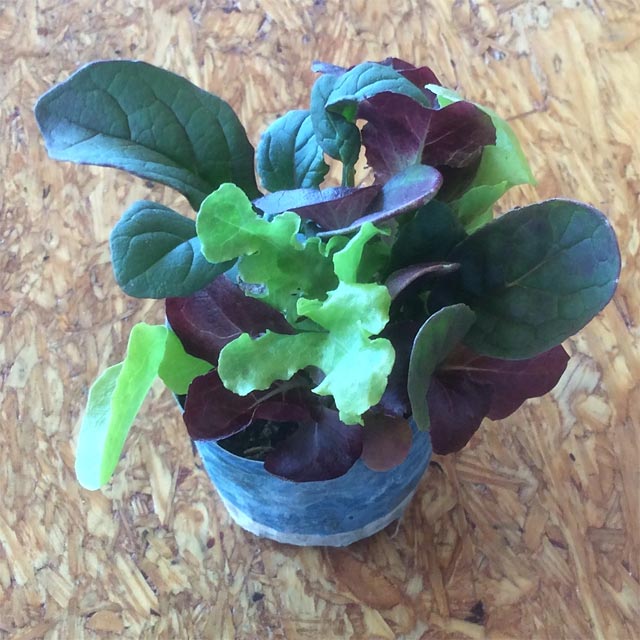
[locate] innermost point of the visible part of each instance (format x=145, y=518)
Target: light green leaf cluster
x=356, y=367
x=117, y=395
x=270, y=252
x=502, y=166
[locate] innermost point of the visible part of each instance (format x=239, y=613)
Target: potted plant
x=321, y=339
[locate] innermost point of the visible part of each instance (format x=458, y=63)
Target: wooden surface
x=531, y=532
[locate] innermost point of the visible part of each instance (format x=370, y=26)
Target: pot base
x=316, y=540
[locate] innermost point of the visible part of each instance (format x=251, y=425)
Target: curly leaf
x=156, y=253
x=436, y=339
x=534, y=277
x=270, y=252
x=150, y=122
x=288, y=155
x=355, y=366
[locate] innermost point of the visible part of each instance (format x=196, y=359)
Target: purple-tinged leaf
x=395, y=399
x=534, y=276
x=420, y=76
x=400, y=132
x=457, y=406
x=321, y=449
x=409, y=190
x=329, y=208
x=468, y=387
x=437, y=338
x=212, y=412
x=386, y=441
x=511, y=381
x=214, y=316
x=399, y=280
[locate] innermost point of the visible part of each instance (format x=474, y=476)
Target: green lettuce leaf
x=356, y=367
x=270, y=252
x=117, y=395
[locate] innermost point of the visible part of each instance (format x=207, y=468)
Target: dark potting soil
x=257, y=440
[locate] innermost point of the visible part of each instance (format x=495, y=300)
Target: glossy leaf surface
x=534, y=277
x=437, y=337
x=150, y=122
x=288, y=155
x=156, y=253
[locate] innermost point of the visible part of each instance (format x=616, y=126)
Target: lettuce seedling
x=338, y=314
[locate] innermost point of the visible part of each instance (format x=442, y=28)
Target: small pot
x=327, y=513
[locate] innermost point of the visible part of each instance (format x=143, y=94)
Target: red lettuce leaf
x=457, y=406
x=409, y=190
x=214, y=316
x=420, y=76
x=511, y=381
x=345, y=209
x=469, y=387
x=329, y=208
x=212, y=412
x=386, y=441
x=395, y=399
x=321, y=449
x=400, y=132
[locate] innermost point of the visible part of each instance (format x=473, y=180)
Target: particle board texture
x=533, y=531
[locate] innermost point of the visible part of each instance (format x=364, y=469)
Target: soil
x=257, y=440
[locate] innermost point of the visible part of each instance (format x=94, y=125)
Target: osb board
x=531, y=532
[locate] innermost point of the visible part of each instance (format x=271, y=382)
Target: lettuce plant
x=338, y=312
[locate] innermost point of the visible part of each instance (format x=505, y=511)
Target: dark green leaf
x=156, y=253
x=365, y=81
x=436, y=339
x=339, y=138
x=150, y=122
x=288, y=156
x=534, y=277
x=429, y=237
